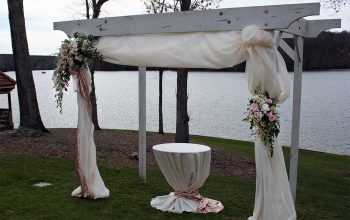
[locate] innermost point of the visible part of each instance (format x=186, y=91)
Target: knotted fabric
x=205, y=205
x=185, y=173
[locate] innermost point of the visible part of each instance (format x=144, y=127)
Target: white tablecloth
x=185, y=167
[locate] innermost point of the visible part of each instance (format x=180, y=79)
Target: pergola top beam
x=264, y=17
x=310, y=28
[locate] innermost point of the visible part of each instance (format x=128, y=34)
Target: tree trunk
x=185, y=5
x=182, y=119
x=160, y=111
x=87, y=8
x=93, y=99
x=30, y=119
x=96, y=9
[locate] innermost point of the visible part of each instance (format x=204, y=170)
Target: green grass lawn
x=323, y=189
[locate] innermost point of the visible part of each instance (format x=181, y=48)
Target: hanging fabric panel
x=91, y=183
x=216, y=50
x=264, y=67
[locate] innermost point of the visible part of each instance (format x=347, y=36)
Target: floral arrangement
x=263, y=118
x=73, y=55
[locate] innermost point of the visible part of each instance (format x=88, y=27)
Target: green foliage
x=263, y=118
x=73, y=55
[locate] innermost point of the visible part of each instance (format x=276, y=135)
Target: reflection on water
x=217, y=102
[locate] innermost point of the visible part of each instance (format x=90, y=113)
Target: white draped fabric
x=273, y=199
x=185, y=167
x=91, y=183
x=264, y=67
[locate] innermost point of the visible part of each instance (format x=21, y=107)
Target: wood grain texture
x=286, y=48
x=264, y=17
x=310, y=28
x=298, y=69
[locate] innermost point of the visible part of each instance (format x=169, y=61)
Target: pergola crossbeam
x=310, y=28
x=264, y=17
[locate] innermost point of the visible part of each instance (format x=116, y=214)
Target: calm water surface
x=217, y=102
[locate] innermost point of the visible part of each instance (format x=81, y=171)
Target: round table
x=185, y=168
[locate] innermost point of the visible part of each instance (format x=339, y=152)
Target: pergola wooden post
x=299, y=30
x=10, y=119
x=142, y=124
x=298, y=68
x=286, y=19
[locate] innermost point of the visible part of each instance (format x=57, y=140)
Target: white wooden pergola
x=285, y=21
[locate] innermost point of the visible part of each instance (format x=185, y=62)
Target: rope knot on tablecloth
x=205, y=205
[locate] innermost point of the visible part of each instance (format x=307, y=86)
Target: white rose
x=85, y=44
x=265, y=107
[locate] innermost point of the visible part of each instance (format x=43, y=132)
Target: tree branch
x=97, y=7
x=87, y=7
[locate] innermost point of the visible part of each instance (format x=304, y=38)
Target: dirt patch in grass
x=116, y=147
x=344, y=173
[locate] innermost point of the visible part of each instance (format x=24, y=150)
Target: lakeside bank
x=323, y=180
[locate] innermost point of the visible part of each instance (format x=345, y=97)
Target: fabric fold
x=216, y=50
x=178, y=203
x=91, y=183
x=273, y=198
x=172, y=203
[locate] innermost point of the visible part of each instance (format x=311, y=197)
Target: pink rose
x=254, y=107
x=272, y=117
x=269, y=101
x=70, y=61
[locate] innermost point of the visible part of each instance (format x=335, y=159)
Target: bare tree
x=30, y=119
x=162, y=6
x=93, y=6
x=159, y=6
x=160, y=102
x=92, y=9
x=336, y=5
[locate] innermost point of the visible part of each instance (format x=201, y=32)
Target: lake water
x=216, y=102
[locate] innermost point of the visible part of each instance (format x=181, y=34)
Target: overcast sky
x=40, y=15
